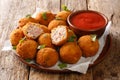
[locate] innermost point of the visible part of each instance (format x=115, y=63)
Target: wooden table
x=13, y=69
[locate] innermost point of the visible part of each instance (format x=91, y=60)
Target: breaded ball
x=27, y=49
x=45, y=28
x=15, y=36
x=45, y=17
x=70, y=52
x=88, y=47
x=71, y=35
x=24, y=21
x=47, y=57
x=34, y=30
x=54, y=23
x=45, y=39
x=59, y=35
x=63, y=15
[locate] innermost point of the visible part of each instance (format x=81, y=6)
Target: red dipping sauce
x=88, y=20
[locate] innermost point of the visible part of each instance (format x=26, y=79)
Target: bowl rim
x=82, y=11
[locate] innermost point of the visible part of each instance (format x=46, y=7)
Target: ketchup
x=88, y=21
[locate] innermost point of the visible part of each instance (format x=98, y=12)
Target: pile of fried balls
x=47, y=38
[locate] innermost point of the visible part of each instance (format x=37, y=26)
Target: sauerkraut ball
x=54, y=23
x=88, y=46
x=44, y=17
x=70, y=52
x=25, y=20
x=27, y=49
x=47, y=57
x=15, y=36
x=34, y=30
x=59, y=35
x=63, y=15
x=71, y=36
x=45, y=39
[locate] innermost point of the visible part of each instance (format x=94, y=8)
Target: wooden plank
x=75, y=4
x=38, y=75
x=74, y=76
x=11, y=68
x=50, y=5
x=109, y=69
x=11, y=10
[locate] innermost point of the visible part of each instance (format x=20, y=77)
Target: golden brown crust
x=45, y=28
x=24, y=21
x=27, y=49
x=88, y=47
x=15, y=36
x=70, y=52
x=42, y=21
x=63, y=15
x=47, y=57
x=70, y=34
x=55, y=23
x=45, y=39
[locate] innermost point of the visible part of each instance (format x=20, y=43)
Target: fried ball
x=24, y=21
x=88, y=47
x=71, y=35
x=27, y=49
x=45, y=17
x=34, y=30
x=70, y=52
x=63, y=15
x=54, y=23
x=15, y=36
x=59, y=35
x=45, y=28
x=47, y=57
x=45, y=39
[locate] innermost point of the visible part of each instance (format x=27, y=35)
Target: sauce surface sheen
x=88, y=21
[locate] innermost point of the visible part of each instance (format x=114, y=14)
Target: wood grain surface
x=109, y=69
x=13, y=69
